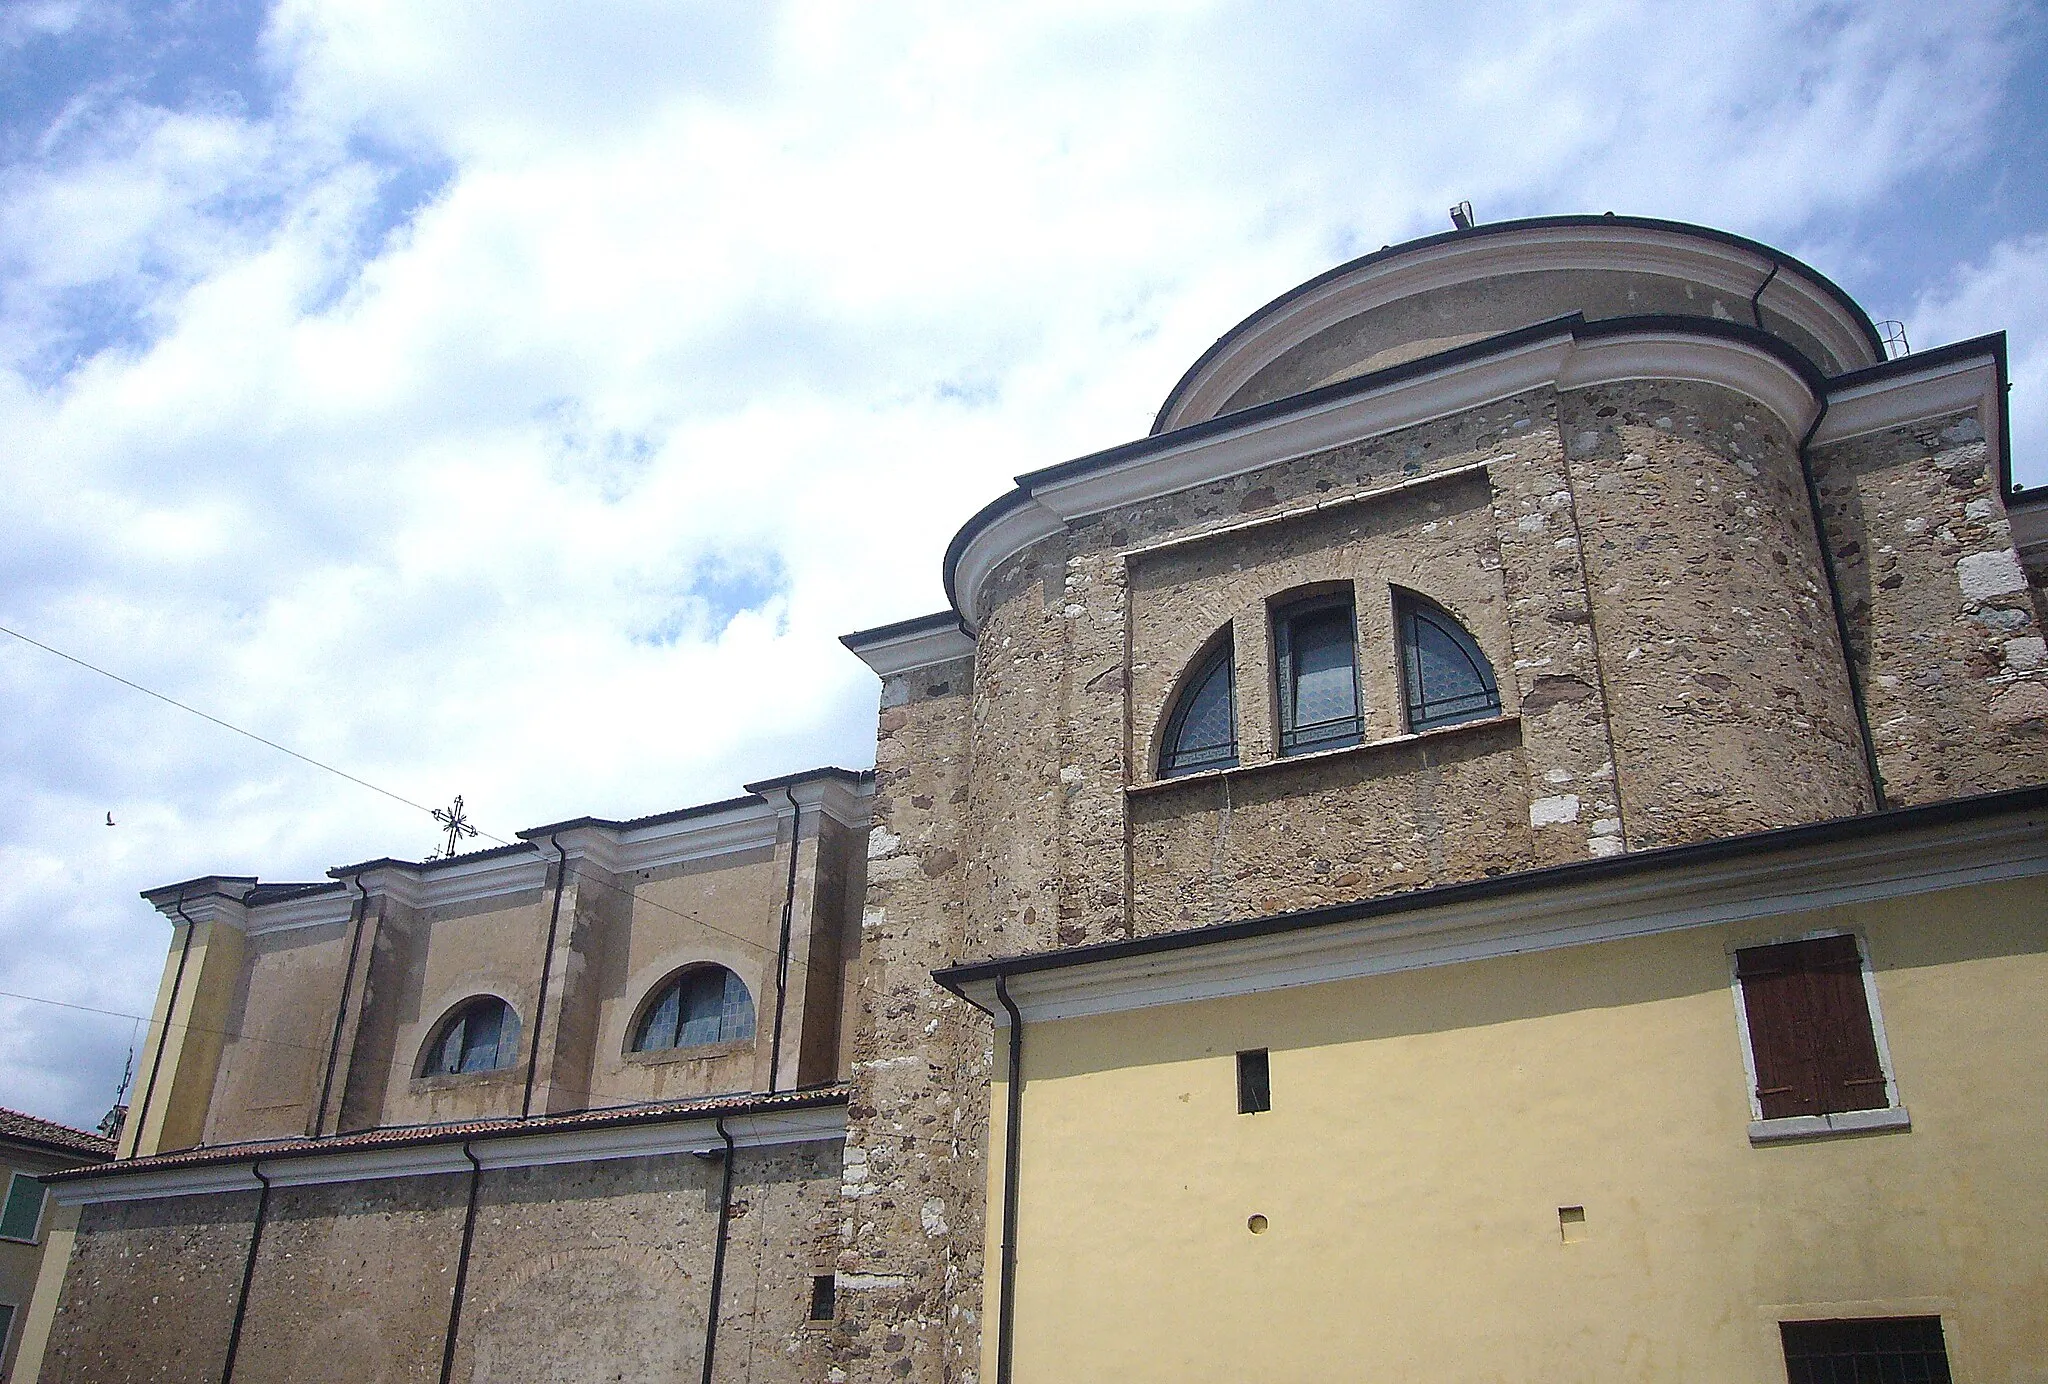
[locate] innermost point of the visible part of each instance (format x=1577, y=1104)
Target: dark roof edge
x=829, y=771
x=922, y=624
x=1407, y=247
x=1777, y=840
x=461, y=1132
x=184, y=889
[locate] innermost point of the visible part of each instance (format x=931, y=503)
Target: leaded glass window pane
x=1448, y=678
x=1203, y=733
x=482, y=1037
x=1318, y=678
x=706, y=1005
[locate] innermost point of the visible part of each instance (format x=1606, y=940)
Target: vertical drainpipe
x=348, y=977
x=1827, y=564
x=796, y=821
x=227, y=1369
x=1756, y=299
x=1007, y=1309
x=717, y=1254
x=547, y=962
x=164, y=1039
x=476, y=1173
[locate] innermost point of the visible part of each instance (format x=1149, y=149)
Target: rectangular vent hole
x=1254, y=1083
x=1571, y=1223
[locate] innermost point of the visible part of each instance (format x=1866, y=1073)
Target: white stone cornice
x=744, y=826
x=1571, y=357
x=1604, y=909
x=1618, y=246
x=848, y=804
x=462, y=881
x=918, y=648
x=691, y=1134
x=214, y=900
x=1911, y=396
x=311, y=910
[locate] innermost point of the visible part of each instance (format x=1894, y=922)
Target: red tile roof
x=30, y=1129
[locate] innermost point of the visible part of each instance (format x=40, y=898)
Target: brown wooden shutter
x=1774, y=1002
x=1851, y=1076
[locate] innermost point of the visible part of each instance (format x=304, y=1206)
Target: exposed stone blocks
x=1728, y=697
x=911, y=1230
x=1943, y=626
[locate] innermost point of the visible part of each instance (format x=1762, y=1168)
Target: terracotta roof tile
x=31, y=1129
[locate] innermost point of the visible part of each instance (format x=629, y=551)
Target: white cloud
x=556, y=489
x=2007, y=292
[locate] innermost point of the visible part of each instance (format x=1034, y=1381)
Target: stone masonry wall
x=591, y=1270
x=909, y=1264
x=150, y=1291
x=1728, y=694
x=1944, y=630
x=353, y=1282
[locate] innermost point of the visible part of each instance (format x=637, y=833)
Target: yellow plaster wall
x=1427, y=1127
x=191, y=1035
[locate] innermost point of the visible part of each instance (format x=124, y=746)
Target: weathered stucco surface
x=150, y=1292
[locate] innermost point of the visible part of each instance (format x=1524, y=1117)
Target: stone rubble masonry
x=1944, y=629
x=1640, y=562
x=577, y=1271
x=909, y=1264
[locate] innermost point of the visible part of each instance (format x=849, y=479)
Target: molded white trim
x=906, y=653
x=1909, y=398
x=1600, y=910
x=315, y=910
x=694, y=1134
x=1561, y=361
x=1619, y=248
x=1821, y=1126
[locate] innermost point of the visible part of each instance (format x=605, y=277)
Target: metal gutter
x=1006, y=1311
x=227, y=1371
x=547, y=966
x=362, y=909
x=718, y=1254
x=448, y=1336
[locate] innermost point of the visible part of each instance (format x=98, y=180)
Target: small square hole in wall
x=1254, y=1083
x=1571, y=1223
x=824, y=1297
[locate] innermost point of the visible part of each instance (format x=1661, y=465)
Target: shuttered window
x=1809, y=1028
x=23, y=1215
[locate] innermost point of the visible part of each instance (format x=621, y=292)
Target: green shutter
x=24, y=1211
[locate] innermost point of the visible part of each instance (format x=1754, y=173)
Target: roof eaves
x=1954, y=810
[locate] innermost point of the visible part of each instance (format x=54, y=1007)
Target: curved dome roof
x=1440, y=292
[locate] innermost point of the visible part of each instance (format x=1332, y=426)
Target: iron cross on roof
x=454, y=825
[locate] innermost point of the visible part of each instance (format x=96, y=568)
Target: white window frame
x=42, y=1209
x=1892, y=1115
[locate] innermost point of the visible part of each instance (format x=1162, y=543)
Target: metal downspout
x=718, y=1254
x=227, y=1369
x=476, y=1174
x=1756, y=298
x=164, y=1039
x=348, y=977
x=1007, y=1309
x=1827, y=564
x=796, y=822
x=547, y=963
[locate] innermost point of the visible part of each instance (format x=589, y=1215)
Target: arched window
x=1202, y=732
x=482, y=1035
x=1317, y=675
x=1447, y=677
x=705, y=1004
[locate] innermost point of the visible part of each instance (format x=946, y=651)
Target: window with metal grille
x=1202, y=732
x=1254, y=1082
x=1881, y=1350
x=482, y=1035
x=1316, y=643
x=1810, y=1033
x=1446, y=676
x=23, y=1216
x=824, y=1297
x=699, y=1006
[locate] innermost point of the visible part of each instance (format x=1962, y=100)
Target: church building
x=1506, y=838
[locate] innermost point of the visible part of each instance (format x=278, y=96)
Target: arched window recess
x=1445, y=676
x=480, y=1035
x=1202, y=731
x=698, y=1006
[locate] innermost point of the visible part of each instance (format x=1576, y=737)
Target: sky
x=519, y=400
